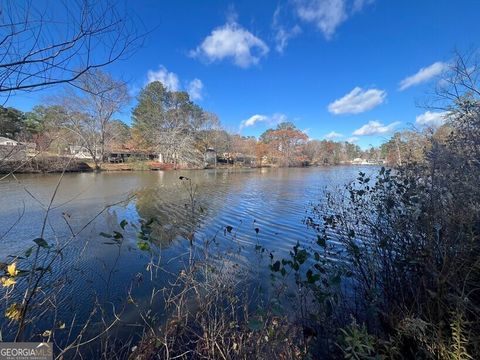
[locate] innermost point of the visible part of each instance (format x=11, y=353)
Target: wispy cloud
x=231, y=41
x=432, y=119
x=283, y=34
x=375, y=128
x=333, y=135
x=274, y=119
x=327, y=15
x=423, y=75
x=195, y=88
x=168, y=79
x=134, y=89
x=357, y=101
x=352, y=139
x=358, y=5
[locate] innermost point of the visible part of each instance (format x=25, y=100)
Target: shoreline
x=83, y=167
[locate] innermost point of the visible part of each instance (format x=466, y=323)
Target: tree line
x=163, y=122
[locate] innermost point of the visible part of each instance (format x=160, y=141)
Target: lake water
x=273, y=201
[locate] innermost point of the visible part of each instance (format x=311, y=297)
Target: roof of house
x=4, y=139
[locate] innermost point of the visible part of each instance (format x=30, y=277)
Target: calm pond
x=273, y=201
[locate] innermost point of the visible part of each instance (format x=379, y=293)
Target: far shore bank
x=40, y=166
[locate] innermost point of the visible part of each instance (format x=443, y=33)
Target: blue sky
x=341, y=69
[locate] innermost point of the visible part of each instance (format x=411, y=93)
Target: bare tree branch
x=40, y=47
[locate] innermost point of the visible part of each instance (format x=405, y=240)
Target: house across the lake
x=125, y=155
x=12, y=150
x=7, y=142
x=81, y=152
x=360, y=161
x=237, y=158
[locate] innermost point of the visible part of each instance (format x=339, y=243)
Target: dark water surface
x=273, y=200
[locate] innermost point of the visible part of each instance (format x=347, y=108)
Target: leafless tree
x=458, y=94
x=52, y=42
x=91, y=112
x=207, y=128
x=461, y=80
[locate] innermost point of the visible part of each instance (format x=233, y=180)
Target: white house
x=81, y=152
x=11, y=150
x=359, y=161
x=7, y=142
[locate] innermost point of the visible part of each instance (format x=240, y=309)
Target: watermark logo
x=26, y=351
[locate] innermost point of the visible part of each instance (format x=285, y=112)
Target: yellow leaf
x=47, y=333
x=12, y=269
x=13, y=312
x=6, y=282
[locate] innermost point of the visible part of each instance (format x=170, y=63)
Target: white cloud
x=375, y=128
x=252, y=120
x=171, y=82
x=357, y=101
x=352, y=140
x=433, y=119
x=333, y=135
x=327, y=15
x=282, y=34
x=195, y=88
x=423, y=75
x=232, y=41
x=274, y=119
x=168, y=79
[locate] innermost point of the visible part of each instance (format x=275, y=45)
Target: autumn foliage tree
x=285, y=144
